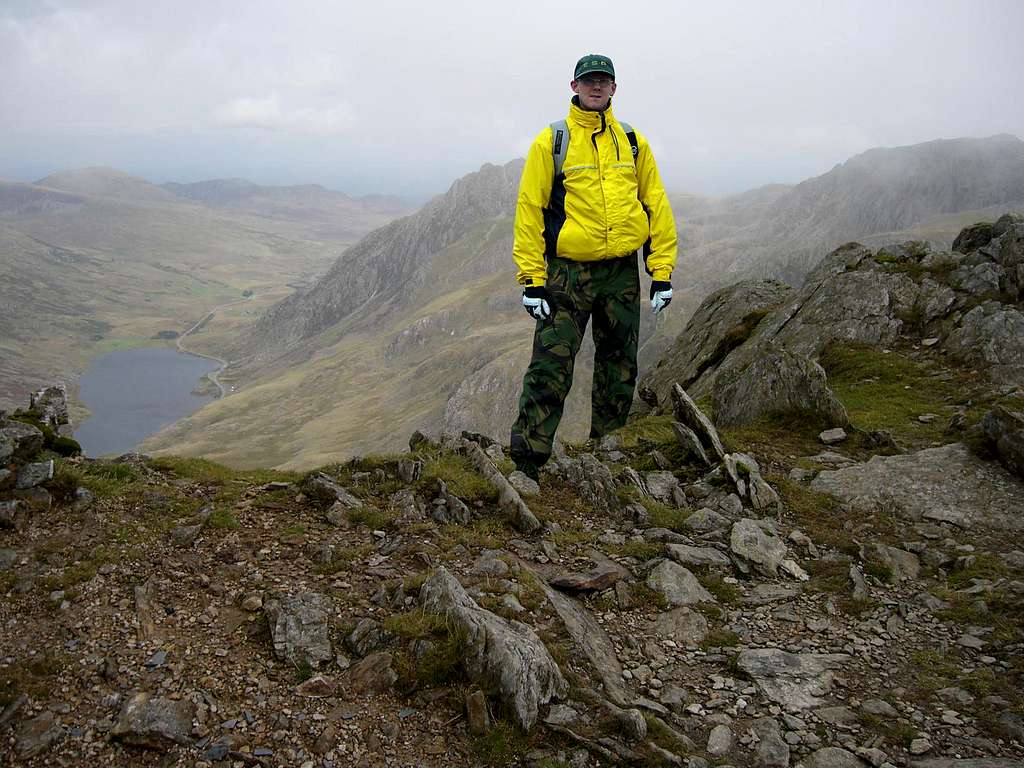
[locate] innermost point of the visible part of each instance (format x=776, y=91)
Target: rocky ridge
x=679, y=593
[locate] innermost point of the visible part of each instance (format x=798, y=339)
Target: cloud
x=267, y=114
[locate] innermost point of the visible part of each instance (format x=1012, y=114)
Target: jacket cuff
x=662, y=273
x=529, y=282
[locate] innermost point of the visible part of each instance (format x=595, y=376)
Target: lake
x=134, y=393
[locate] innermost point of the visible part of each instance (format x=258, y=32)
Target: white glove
x=536, y=299
x=661, y=295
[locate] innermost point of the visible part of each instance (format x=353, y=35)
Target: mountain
x=95, y=259
x=420, y=323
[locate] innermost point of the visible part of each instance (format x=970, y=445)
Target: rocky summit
x=804, y=549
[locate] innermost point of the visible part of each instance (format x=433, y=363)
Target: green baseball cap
x=594, y=62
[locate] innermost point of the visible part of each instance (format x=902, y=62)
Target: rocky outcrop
x=796, y=681
x=298, y=628
x=948, y=484
x=1005, y=428
x=778, y=384
x=503, y=656
x=991, y=336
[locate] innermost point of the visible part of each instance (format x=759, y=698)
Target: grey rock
x=524, y=485
x=920, y=746
x=503, y=656
x=902, y=564
x=325, y=490
x=707, y=521
x=52, y=405
x=833, y=757
x=183, y=536
x=13, y=514
x=771, y=750
x=408, y=508
x=663, y=486
x=592, y=479
x=603, y=576
x=991, y=335
x=720, y=741
x=18, y=441
x=8, y=557
x=701, y=557
x=690, y=443
x=944, y=484
x=632, y=723
x=836, y=715
x=477, y=717
x=154, y=722
x=561, y=714
x=1011, y=725
x=779, y=383
x=755, y=549
x=1005, y=428
x=763, y=594
x=677, y=584
x=724, y=319
x=36, y=473
x=687, y=413
x=934, y=301
x=592, y=639
x=796, y=681
x=366, y=637
x=38, y=735
x=489, y=564
x=879, y=708
x=298, y=628
x=684, y=626
x=833, y=436
x=975, y=762
x=977, y=279
x=447, y=508
x=509, y=500
x=409, y=470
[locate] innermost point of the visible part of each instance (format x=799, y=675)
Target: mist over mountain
x=420, y=323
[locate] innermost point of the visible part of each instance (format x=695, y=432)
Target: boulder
x=700, y=557
x=756, y=550
x=298, y=628
x=509, y=500
x=592, y=479
x=977, y=279
x=504, y=656
x=947, y=484
x=973, y=237
x=154, y=722
x=52, y=405
x=18, y=441
x=663, y=486
x=1005, y=428
x=38, y=735
x=991, y=336
x=324, y=489
x=447, y=508
x=901, y=564
x=833, y=757
x=678, y=585
x=796, y=681
x=690, y=443
x=34, y=474
x=778, y=384
x=373, y=675
x=771, y=751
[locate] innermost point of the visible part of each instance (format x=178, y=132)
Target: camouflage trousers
x=608, y=291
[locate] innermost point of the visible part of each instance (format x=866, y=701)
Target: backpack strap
x=559, y=144
x=634, y=146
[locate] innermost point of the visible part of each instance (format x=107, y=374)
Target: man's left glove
x=538, y=302
x=661, y=295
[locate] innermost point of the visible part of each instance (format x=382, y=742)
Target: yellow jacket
x=611, y=204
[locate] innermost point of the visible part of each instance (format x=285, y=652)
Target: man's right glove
x=661, y=295
x=538, y=302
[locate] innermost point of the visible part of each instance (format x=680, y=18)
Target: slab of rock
x=603, y=576
x=755, y=549
x=779, y=383
x=503, y=656
x=948, y=484
x=685, y=626
x=902, y=564
x=374, y=674
x=690, y=443
x=591, y=638
x=707, y=521
x=524, y=484
x=720, y=741
x=689, y=414
x=154, y=722
x=796, y=681
x=592, y=479
x=447, y=508
x=38, y=735
x=771, y=751
x=702, y=557
x=1005, y=428
x=833, y=436
x=677, y=584
x=663, y=486
x=509, y=500
x=298, y=628
x=327, y=491
x=974, y=762
x=833, y=757
x=36, y=473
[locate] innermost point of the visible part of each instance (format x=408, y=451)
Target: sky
x=404, y=97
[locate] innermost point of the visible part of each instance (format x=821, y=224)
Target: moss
x=647, y=429
x=723, y=591
x=440, y=662
x=343, y=559
x=373, y=518
x=641, y=550
x=460, y=476
x=643, y=595
x=719, y=637
x=222, y=518
x=103, y=479
x=881, y=571
x=503, y=745
x=664, y=516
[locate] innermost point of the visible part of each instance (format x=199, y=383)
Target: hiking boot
x=529, y=469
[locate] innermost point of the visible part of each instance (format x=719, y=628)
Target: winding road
x=214, y=377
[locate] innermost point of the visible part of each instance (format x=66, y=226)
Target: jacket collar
x=589, y=119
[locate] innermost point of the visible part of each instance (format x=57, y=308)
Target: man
x=576, y=237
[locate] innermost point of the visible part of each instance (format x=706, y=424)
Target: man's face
x=595, y=90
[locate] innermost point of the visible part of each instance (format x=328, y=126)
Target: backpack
x=560, y=142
